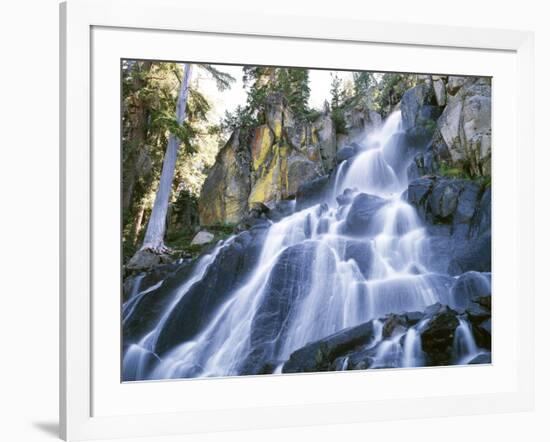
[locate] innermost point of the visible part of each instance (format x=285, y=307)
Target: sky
x=319, y=84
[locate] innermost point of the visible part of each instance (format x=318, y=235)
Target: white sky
x=319, y=84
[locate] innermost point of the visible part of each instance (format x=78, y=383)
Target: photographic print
x=279, y=220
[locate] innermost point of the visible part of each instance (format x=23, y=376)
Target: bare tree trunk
x=154, y=235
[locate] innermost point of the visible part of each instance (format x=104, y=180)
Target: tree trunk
x=136, y=228
x=154, y=235
x=137, y=138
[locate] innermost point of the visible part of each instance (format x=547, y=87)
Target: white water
x=464, y=344
x=339, y=294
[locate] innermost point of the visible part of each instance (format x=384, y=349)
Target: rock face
x=418, y=106
x=146, y=259
x=289, y=282
x=438, y=335
x=321, y=355
x=452, y=202
x=311, y=192
x=229, y=268
x=461, y=138
x=458, y=213
x=358, y=118
x=440, y=92
x=463, y=135
x=360, y=214
x=357, y=348
x=224, y=196
x=470, y=289
x=267, y=165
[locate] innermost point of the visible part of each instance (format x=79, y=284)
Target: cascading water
x=328, y=288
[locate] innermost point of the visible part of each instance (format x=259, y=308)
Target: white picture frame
x=86, y=395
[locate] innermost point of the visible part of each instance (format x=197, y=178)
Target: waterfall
x=465, y=347
x=413, y=356
x=321, y=277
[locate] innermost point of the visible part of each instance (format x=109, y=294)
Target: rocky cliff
x=461, y=137
x=266, y=164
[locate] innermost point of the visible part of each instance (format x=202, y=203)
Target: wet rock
x=479, y=309
x=454, y=202
x=413, y=102
x=148, y=308
x=311, y=193
x=345, y=198
x=360, y=360
x=418, y=192
x=394, y=325
x=361, y=212
x=143, y=281
x=483, y=358
x=437, y=336
x=469, y=286
x=361, y=252
x=345, y=153
x=472, y=255
x=289, y=282
x=257, y=217
x=413, y=318
x=323, y=226
x=467, y=205
x=444, y=199
x=481, y=223
x=229, y=268
x=482, y=334
x=486, y=325
x=320, y=355
x=258, y=210
x=281, y=209
x=417, y=137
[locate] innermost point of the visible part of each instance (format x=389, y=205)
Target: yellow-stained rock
x=261, y=145
x=224, y=196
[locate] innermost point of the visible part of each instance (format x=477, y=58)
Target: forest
x=310, y=226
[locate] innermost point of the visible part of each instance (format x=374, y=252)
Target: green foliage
x=181, y=241
x=293, y=84
x=484, y=181
x=336, y=92
x=431, y=125
x=339, y=99
x=312, y=115
x=240, y=118
x=391, y=88
x=452, y=172
x=149, y=99
x=362, y=81
x=223, y=79
x=265, y=83
x=339, y=121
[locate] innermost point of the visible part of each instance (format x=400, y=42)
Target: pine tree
x=336, y=91
x=361, y=82
x=182, y=128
